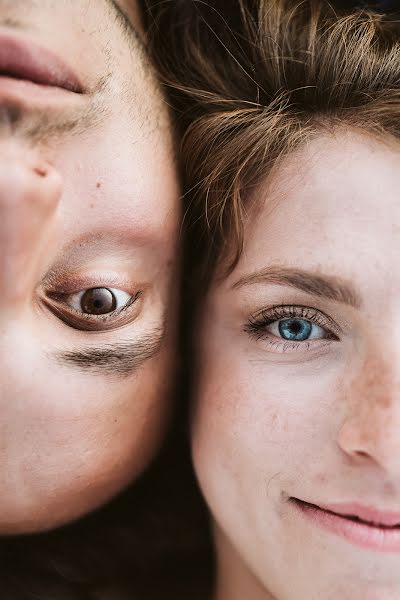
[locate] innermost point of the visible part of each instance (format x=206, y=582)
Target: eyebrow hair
x=315, y=284
x=121, y=358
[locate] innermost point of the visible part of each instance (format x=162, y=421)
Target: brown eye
x=98, y=301
x=95, y=309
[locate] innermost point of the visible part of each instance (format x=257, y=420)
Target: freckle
x=321, y=478
x=98, y=184
x=91, y=205
x=389, y=489
x=272, y=420
x=373, y=382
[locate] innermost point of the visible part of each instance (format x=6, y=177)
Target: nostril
x=41, y=171
x=361, y=454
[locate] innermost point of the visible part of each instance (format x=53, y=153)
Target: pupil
x=98, y=301
x=295, y=329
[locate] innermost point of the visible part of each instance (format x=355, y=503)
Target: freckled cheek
x=250, y=416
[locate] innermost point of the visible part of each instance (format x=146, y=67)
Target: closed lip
x=22, y=59
x=364, y=526
x=368, y=514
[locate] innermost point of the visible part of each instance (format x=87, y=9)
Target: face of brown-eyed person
x=296, y=431
x=89, y=220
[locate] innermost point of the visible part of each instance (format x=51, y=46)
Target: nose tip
x=30, y=190
x=28, y=184
x=369, y=434
x=377, y=445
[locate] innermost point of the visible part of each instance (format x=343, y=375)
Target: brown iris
x=98, y=301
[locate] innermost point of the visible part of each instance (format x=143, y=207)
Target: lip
x=363, y=526
x=364, y=513
x=24, y=60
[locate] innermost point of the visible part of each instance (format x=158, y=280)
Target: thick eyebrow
x=315, y=284
x=118, y=359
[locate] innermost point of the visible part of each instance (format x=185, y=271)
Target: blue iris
x=296, y=330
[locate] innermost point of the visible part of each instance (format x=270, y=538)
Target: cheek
x=251, y=413
x=72, y=441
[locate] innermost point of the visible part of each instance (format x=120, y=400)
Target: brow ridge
x=313, y=283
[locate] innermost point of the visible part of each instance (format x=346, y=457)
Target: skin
x=88, y=199
x=318, y=420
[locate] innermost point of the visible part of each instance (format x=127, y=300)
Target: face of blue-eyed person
x=296, y=425
x=89, y=219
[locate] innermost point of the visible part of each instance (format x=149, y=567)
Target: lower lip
x=380, y=539
x=28, y=92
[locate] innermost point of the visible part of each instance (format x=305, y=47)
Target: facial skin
x=88, y=199
x=316, y=420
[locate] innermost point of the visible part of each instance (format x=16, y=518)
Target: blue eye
x=292, y=328
x=296, y=330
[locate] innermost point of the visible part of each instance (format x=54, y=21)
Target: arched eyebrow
x=315, y=284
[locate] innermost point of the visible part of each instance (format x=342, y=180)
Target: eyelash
x=257, y=324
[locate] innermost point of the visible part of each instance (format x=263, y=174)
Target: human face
x=297, y=412
x=88, y=201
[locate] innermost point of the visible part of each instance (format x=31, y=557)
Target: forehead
x=335, y=201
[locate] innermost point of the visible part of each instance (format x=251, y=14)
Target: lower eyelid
x=281, y=345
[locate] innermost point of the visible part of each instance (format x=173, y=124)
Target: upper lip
x=23, y=59
x=364, y=513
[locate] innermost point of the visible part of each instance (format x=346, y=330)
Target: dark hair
x=150, y=543
x=252, y=80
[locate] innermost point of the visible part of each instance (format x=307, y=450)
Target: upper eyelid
x=288, y=310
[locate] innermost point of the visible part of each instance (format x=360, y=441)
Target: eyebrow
x=315, y=284
x=119, y=359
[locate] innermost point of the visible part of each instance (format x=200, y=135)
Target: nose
x=30, y=191
x=370, y=432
